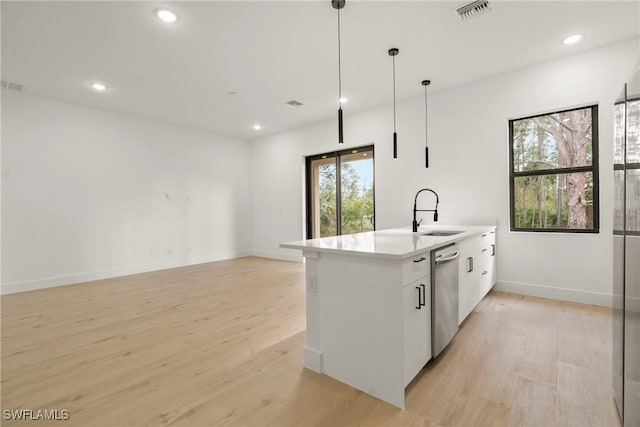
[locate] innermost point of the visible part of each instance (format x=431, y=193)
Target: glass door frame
x=309, y=184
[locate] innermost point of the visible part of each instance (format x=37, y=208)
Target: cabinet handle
x=419, y=260
x=424, y=292
x=470, y=268
x=493, y=250
x=484, y=250
x=484, y=235
x=419, y=306
x=484, y=272
x=493, y=232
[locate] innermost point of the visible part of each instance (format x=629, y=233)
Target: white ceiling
x=272, y=52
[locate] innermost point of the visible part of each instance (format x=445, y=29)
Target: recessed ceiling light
x=343, y=100
x=166, y=15
x=99, y=87
x=572, y=39
x=257, y=127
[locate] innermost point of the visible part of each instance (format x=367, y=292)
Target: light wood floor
x=222, y=344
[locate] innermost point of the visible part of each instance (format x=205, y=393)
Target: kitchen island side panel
x=361, y=333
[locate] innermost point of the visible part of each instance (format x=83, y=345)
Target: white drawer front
x=488, y=238
x=416, y=267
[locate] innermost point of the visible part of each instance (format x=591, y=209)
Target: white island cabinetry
x=476, y=271
x=468, y=277
x=369, y=311
x=416, y=320
x=488, y=257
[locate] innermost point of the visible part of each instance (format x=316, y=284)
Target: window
x=554, y=172
x=340, y=193
x=626, y=166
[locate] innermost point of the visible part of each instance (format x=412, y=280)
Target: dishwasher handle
x=442, y=260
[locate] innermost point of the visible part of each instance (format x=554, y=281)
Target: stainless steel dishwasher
x=444, y=296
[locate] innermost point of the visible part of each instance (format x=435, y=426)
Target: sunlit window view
x=340, y=193
x=554, y=174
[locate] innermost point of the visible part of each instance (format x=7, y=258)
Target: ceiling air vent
x=474, y=9
x=13, y=86
x=294, y=104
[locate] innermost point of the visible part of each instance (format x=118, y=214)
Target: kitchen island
x=369, y=311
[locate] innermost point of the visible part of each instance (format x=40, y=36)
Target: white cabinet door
x=416, y=326
x=468, y=276
x=424, y=334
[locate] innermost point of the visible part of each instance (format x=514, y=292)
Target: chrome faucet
x=415, y=209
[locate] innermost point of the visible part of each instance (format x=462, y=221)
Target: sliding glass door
x=340, y=193
x=322, y=188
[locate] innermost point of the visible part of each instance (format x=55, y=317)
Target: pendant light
x=339, y=4
x=393, y=52
x=426, y=83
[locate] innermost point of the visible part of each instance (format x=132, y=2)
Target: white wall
x=468, y=139
x=83, y=194
x=83, y=190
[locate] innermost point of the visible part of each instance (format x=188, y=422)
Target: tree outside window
x=340, y=192
x=554, y=171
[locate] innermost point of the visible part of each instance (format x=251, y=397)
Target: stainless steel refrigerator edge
x=444, y=296
x=626, y=253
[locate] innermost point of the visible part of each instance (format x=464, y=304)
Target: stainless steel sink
x=441, y=233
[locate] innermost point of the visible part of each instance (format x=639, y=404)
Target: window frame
x=594, y=169
x=625, y=166
x=309, y=190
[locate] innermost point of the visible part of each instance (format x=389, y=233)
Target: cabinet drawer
x=488, y=238
x=488, y=262
x=488, y=244
x=416, y=267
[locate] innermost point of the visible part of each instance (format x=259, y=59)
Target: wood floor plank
x=221, y=344
x=534, y=404
x=582, y=400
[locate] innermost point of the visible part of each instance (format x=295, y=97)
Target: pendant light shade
x=340, y=131
x=339, y=4
x=393, y=52
x=426, y=83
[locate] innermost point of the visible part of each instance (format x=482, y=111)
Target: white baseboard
x=31, y=285
x=564, y=294
x=279, y=255
x=312, y=359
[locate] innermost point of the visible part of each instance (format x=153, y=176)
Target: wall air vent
x=11, y=85
x=294, y=104
x=474, y=9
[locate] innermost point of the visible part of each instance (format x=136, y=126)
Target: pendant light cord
x=337, y=5
x=339, y=63
x=393, y=52
x=426, y=117
x=394, y=92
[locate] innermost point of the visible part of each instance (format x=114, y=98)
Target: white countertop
x=396, y=243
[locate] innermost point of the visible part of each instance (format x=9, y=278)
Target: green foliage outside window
x=553, y=173
x=357, y=201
